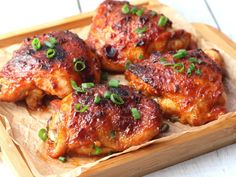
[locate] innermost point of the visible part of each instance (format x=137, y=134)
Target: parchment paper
x=23, y=125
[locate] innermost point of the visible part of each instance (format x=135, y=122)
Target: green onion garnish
x=107, y=95
x=180, y=54
x=162, y=21
x=153, y=13
x=191, y=68
x=83, y=109
x=112, y=134
x=195, y=60
x=97, y=99
x=135, y=113
x=51, y=53
x=104, y=76
x=198, y=72
x=53, y=40
x=133, y=10
x=139, y=12
x=87, y=85
x=79, y=65
x=62, y=159
x=127, y=63
x=140, y=56
x=76, y=87
x=141, y=30
x=43, y=134
x=114, y=83
x=164, y=62
x=116, y=99
x=179, y=67
x=36, y=44
x=49, y=44
x=98, y=150
x=125, y=9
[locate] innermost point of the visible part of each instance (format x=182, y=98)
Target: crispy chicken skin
x=105, y=126
x=115, y=35
x=31, y=75
x=196, y=98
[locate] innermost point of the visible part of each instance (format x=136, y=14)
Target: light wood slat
x=224, y=12
x=12, y=156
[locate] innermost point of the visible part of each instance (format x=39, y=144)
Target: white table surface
x=16, y=14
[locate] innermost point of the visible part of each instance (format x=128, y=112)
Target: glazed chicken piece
x=188, y=86
x=35, y=70
x=121, y=31
x=86, y=125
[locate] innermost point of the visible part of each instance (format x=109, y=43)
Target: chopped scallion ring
x=135, y=113
x=43, y=134
x=198, y=72
x=87, y=85
x=51, y=53
x=98, y=150
x=76, y=87
x=36, y=44
x=140, y=12
x=62, y=159
x=97, y=99
x=79, y=65
x=162, y=21
x=180, y=54
x=53, y=40
x=116, y=99
x=179, y=67
x=114, y=83
x=133, y=10
x=141, y=30
x=140, y=56
x=107, y=95
x=84, y=108
x=191, y=68
x=49, y=44
x=125, y=9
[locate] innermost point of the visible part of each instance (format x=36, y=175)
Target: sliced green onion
x=84, y=108
x=87, y=85
x=79, y=65
x=112, y=134
x=193, y=60
x=51, y=53
x=125, y=9
x=97, y=99
x=180, y=54
x=62, y=159
x=116, y=99
x=49, y=44
x=36, y=44
x=141, y=30
x=107, y=95
x=162, y=21
x=43, y=134
x=140, y=56
x=114, y=83
x=77, y=107
x=165, y=63
x=179, y=67
x=198, y=72
x=135, y=113
x=153, y=13
x=53, y=40
x=191, y=68
x=140, y=12
x=104, y=76
x=133, y=10
x=76, y=87
x=127, y=63
x=98, y=150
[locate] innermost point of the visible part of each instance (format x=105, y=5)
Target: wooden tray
x=145, y=160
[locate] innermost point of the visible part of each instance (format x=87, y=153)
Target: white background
x=16, y=14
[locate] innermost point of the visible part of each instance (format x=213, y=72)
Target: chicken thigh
x=122, y=32
x=185, y=84
x=44, y=65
